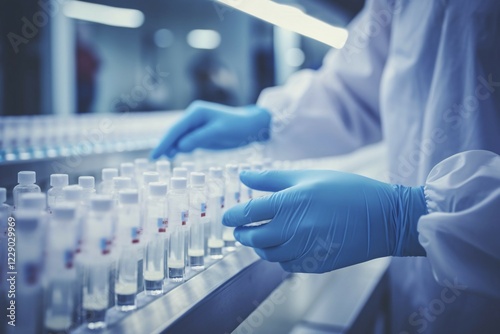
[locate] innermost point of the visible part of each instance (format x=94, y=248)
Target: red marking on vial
x=162, y=230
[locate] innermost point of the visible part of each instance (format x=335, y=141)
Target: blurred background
x=160, y=56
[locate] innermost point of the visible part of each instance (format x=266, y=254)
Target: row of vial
x=142, y=231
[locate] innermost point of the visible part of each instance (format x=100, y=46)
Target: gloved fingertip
x=154, y=155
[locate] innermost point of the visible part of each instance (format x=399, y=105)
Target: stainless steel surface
x=163, y=312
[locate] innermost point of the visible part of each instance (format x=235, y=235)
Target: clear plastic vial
x=163, y=169
x=5, y=213
x=140, y=167
x=29, y=225
x=97, y=261
x=232, y=198
x=60, y=274
x=88, y=188
x=127, y=169
x=120, y=183
x=26, y=180
x=73, y=194
x=155, y=235
x=106, y=186
x=129, y=236
x=246, y=193
x=55, y=195
x=178, y=213
x=197, y=221
x=215, y=207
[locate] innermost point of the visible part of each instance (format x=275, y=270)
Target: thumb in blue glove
x=214, y=126
x=325, y=220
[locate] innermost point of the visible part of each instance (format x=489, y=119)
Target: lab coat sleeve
x=462, y=230
x=335, y=109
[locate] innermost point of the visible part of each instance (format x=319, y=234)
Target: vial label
x=32, y=271
x=104, y=245
x=250, y=193
x=162, y=224
x=222, y=201
x=68, y=259
x=184, y=217
x=134, y=233
x=237, y=197
x=203, y=209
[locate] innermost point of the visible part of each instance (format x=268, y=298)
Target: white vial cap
x=109, y=173
x=179, y=183
x=59, y=180
x=149, y=177
x=86, y=182
x=163, y=166
x=26, y=177
x=141, y=163
x=3, y=195
x=180, y=172
x=73, y=193
x=244, y=166
x=158, y=189
x=27, y=220
x=33, y=201
x=129, y=196
x=197, y=179
x=267, y=163
x=127, y=169
x=257, y=165
x=101, y=203
x=215, y=172
x=64, y=211
x=189, y=165
x=232, y=170
x=122, y=182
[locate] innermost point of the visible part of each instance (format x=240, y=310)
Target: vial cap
x=257, y=165
x=163, y=166
x=109, y=173
x=101, y=203
x=64, y=211
x=244, y=166
x=26, y=177
x=149, y=177
x=127, y=169
x=267, y=164
x=232, y=170
x=122, y=182
x=33, y=201
x=129, y=196
x=158, y=189
x=180, y=172
x=73, y=193
x=215, y=172
x=197, y=179
x=59, y=180
x=189, y=166
x=3, y=195
x=86, y=182
x=141, y=164
x=27, y=220
x=179, y=183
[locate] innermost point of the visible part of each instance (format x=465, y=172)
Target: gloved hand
x=214, y=126
x=325, y=220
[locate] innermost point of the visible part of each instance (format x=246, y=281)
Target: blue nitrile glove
x=325, y=220
x=215, y=126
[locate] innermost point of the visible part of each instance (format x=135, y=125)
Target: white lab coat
x=424, y=75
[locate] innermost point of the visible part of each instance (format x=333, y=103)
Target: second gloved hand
x=325, y=220
x=215, y=126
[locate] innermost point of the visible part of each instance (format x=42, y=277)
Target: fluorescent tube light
x=112, y=16
x=293, y=19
